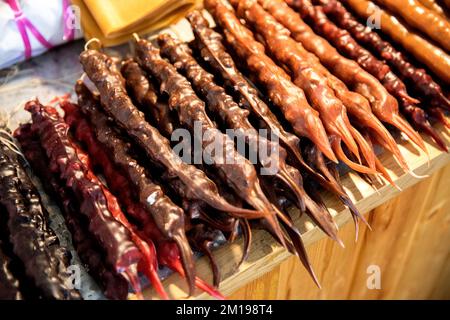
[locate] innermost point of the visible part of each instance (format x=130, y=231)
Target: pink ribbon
x=69, y=33
x=23, y=24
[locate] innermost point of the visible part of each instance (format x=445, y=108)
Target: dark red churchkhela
x=45, y=261
x=148, y=264
x=114, y=237
x=83, y=134
x=113, y=284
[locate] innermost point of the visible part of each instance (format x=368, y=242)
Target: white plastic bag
x=31, y=27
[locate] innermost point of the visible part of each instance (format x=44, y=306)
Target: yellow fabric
x=114, y=21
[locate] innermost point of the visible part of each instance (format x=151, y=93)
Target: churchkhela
x=113, y=284
x=138, y=89
x=144, y=94
x=426, y=52
x=331, y=110
x=116, y=102
x=138, y=86
x=223, y=106
x=416, y=77
x=208, y=43
x=387, y=111
x=408, y=105
x=421, y=18
x=284, y=94
x=125, y=251
x=159, y=218
x=345, y=69
x=231, y=166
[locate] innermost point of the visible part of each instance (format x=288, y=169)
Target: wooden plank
x=266, y=254
x=409, y=244
x=427, y=259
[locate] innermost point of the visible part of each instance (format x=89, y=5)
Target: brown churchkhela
x=131, y=70
x=344, y=69
x=202, y=238
x=380, y=70
x=116, y=103
x=387, y=110
x=237, y=171
x=224, y=107
x=421, y=18
x=432, y=56
x=119, y=184
x=209, y=44
x=419, y=77
x=191, y=182
x=144, y=93
x=196, y=210
x=289, y=98
x=305, y=69
x=281, y=90
x=290, y=53
x=211, y=219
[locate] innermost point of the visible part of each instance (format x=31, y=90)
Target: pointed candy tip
x=315, y=279
x=396, y=186
x=356, y=232
x=353, y=165
x=340, y=242
x=366, y=223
